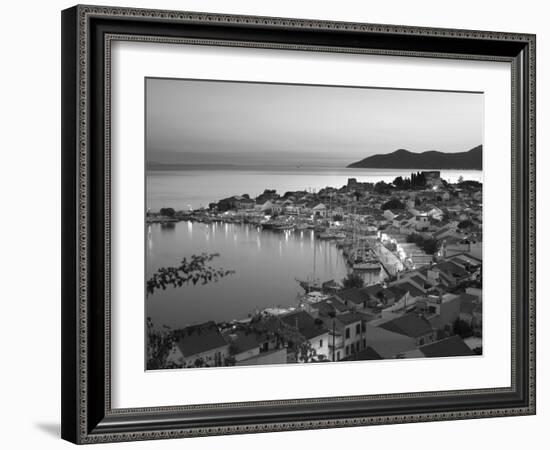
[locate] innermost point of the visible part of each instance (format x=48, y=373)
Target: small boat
x=310, y=285
x=269, y=225
x=366, y=265
x=283, y=227
x=332, y=235
x=314, y=297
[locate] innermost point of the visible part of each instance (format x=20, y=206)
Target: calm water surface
x=266, y=264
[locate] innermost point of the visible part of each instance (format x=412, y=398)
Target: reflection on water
x=266, y=265
x=168, y=226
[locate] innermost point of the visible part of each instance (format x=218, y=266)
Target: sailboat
x=312, y=283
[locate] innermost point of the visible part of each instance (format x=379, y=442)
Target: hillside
x=404, y=159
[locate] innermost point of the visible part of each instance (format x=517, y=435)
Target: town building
x=199, y=345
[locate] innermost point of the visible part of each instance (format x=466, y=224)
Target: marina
x=299, y=263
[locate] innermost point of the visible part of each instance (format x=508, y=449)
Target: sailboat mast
x=314, y=255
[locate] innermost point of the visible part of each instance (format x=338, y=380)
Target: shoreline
x=368, y=234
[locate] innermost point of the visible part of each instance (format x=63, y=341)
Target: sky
x=200, y=122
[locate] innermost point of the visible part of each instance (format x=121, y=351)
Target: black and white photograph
x=296, y=224
x=280, y=219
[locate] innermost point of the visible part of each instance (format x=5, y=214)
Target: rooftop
x=350, y=317
x=451, y=346
x=410, y=324
x=354, y=295
x=306, y=325
x=243, y=339
x=200, y=338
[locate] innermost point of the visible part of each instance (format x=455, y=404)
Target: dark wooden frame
x=87, y=31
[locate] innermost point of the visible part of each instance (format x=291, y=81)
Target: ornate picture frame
x=87, y=36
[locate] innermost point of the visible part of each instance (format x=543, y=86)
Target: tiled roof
x=451, y=268
x=350, y=317
x=408, y=287
x=397, y=291
x=307, y=326
x=373, y=289
x=200, y=338
x=419, y=280
x=409, y=324
x=354, y=295
x=330, y=306
x=367, y=354
x=469, y=304
x=451, y=346
x=244, y=340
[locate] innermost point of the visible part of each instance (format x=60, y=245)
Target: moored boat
x=283, y=227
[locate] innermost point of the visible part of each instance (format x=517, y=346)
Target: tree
x=168, y=212
x=465, y=224
x=394, y=203
x=382, y=188
x=460, y=179
x=462, y=328
x=353, y=280
x=402, y=183
x=429, y=245
x=159, y=344
x=192, y=270
x=305, y=352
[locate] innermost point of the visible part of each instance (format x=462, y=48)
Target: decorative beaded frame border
x=84, y=14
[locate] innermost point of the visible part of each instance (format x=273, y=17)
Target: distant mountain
x=404, y=159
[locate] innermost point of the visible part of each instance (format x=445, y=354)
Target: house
x=353, y=297
x=337, y=212
x=319, y=210
x=326, y=308
x=199, y=345
x=432, y=177
x=436, y=213
x=377, y=294
x=412, y=325
x=234, y=203
x=441, y=311
x=245, y=203
x=276, y=356
x=403, y=220
x=471, y=310
x=404, y=293
x=390, y=215
x=388, y=344
x=475, y=343
x=245, y=343
x=266, y=207
x=346, y=334
x=311, y=329
x=451, y=346
x=422, y=222
x=408, y=285
x=277, y=207
x=455, y=246
x=448, y=230
x=367, y=354
x=451, y=273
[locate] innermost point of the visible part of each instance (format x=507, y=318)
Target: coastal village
x=421, y=233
